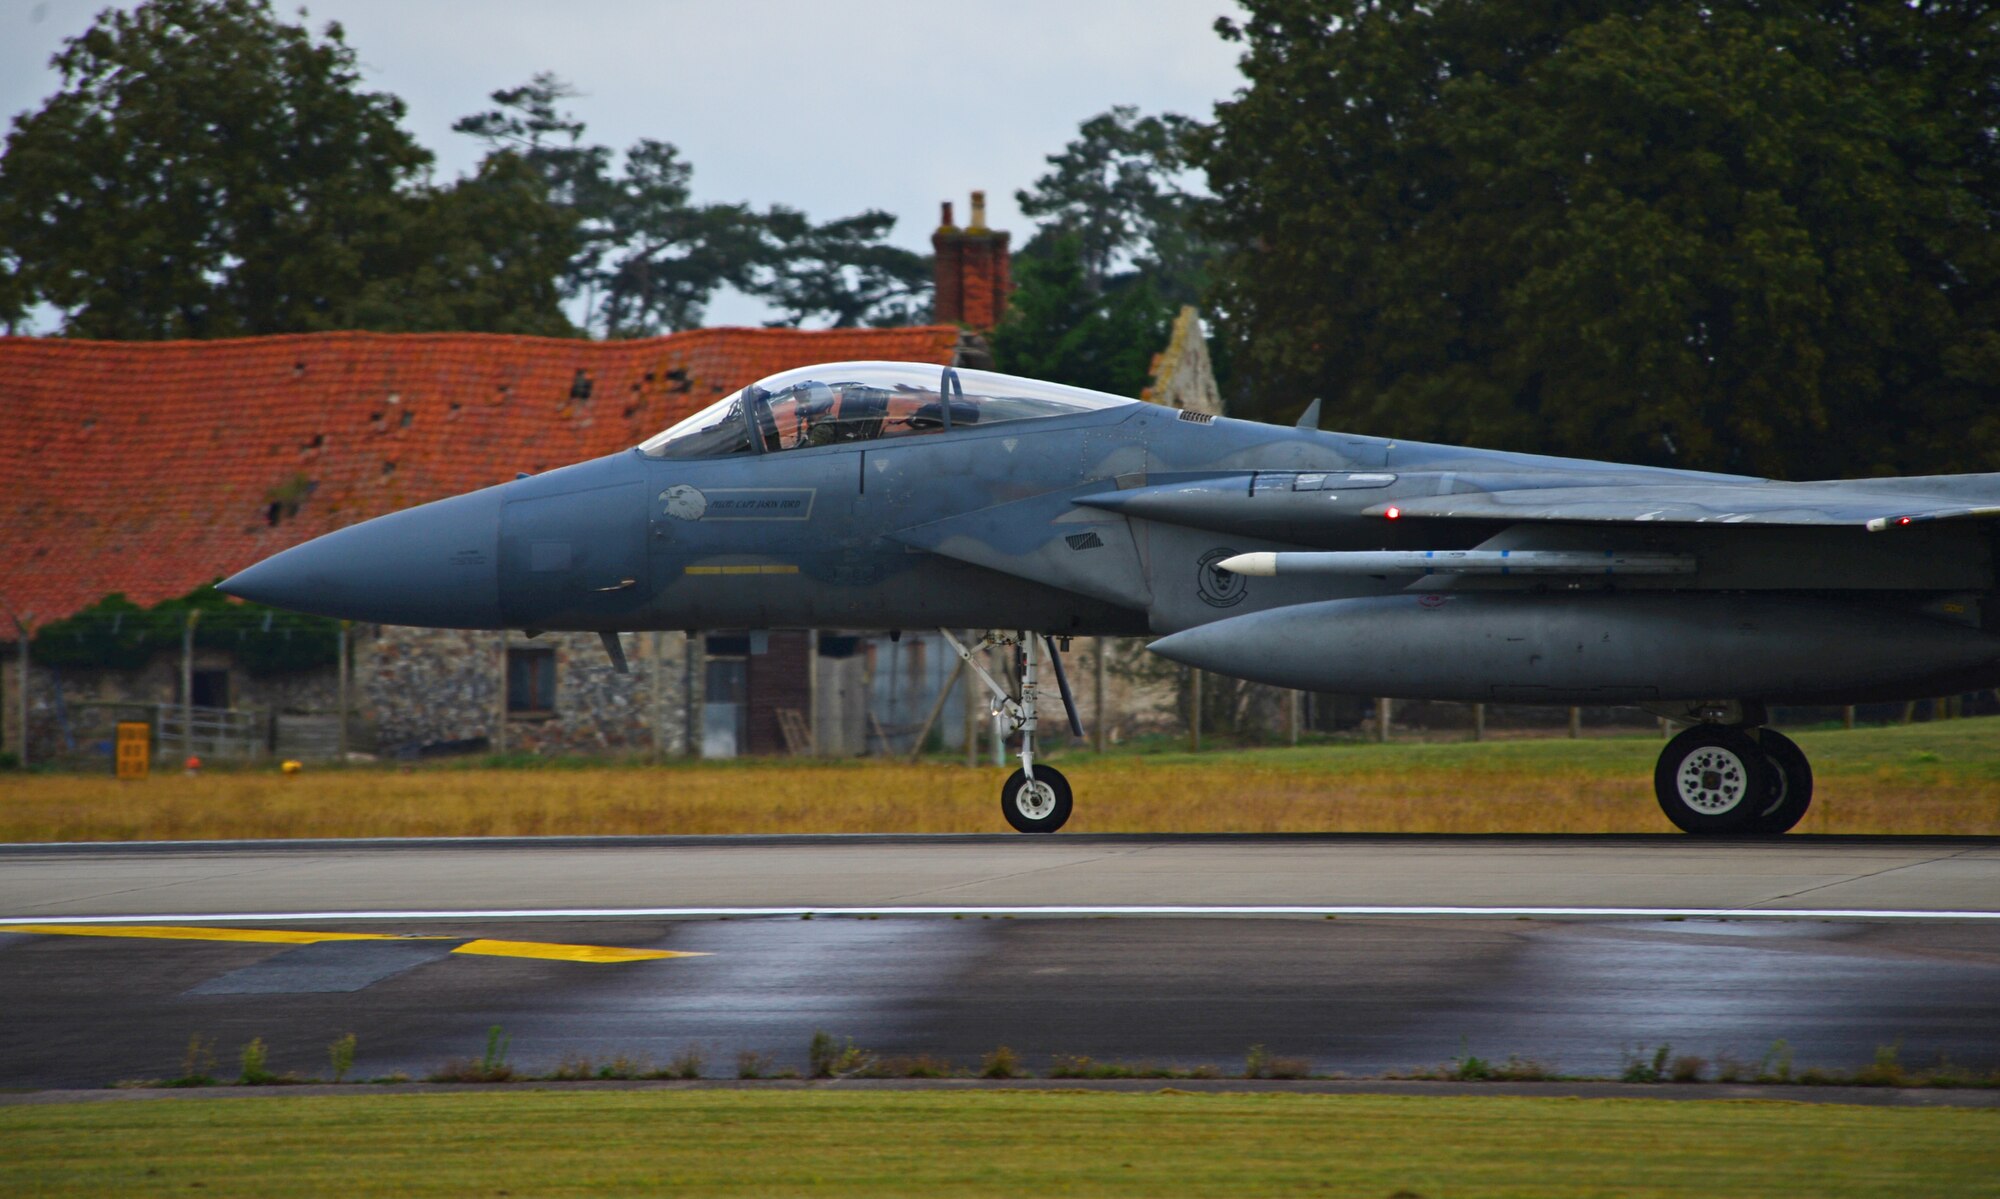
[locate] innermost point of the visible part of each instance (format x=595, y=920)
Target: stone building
x=150, y=469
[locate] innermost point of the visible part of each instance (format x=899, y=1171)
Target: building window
x=531, y=680
x=211, y=689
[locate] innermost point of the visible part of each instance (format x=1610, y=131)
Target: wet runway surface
x=1357, y=994
x=1361, y=996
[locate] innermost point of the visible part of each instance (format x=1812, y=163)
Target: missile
x=1460, y=562
x=1282, y=505
x=1585, y=648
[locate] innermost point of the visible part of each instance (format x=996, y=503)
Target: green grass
x=1939, y=777
x=992, y=1143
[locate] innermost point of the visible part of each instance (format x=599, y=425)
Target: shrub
x=197, y=1063
x=1001, y=1063
x=1885, y=1070
x=1776, y=1065
x=1641, y=1069
x=685, y=1064
x=1730, y=1068
x=827, y=1057
x=1688, y=1068
x=1259, y=1063
x=340, y=1055
x=256, y=1072
x=922, y=1065
x=492, y=1066
x=751, y=1064
x=1521, y=1069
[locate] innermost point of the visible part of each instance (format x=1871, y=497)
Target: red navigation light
x=1902, y=520
x=1397, y=514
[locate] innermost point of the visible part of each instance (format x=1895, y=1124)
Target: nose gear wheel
x=1036, y=805
x=1035, y=799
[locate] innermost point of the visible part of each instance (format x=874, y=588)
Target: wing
x=1751, y=504
x=1278, y=503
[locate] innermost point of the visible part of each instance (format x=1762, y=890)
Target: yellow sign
x=135, y=749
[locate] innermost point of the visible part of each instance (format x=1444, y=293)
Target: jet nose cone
x=432, y=566
x=268, y=582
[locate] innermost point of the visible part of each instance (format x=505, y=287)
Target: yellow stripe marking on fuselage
x=478, y=947
x=741, y=570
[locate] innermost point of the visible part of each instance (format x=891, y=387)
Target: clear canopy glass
x=845, y=402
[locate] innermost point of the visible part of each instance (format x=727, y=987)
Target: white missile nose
x=1259, y=565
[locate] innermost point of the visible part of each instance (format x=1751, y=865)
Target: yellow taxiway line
x=479, y=947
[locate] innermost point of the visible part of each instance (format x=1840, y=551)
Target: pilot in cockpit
x=814, y=414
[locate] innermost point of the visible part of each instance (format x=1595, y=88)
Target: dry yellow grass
x=1927, y=779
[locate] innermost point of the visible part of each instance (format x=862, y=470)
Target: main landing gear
x=1722, y=778
x=1034, y=799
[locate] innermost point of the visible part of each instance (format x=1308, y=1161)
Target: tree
x=1756, y=236
x=649, y=258
x=485, y=255
x=210, y=171
x=1058, y=328
x=844, y=272
x=1116, y=189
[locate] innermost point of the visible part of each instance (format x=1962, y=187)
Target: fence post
x=1292, y=715
x=812, y=694
x=1479, y=722
x=499, y=738
x=342, y=669
x=657, y=678
x=187, y=682
x=23, y=623
x=971, y=716
x=1097, y=699
x=690, y=699
x=1382, y=715
x=1194, y=724
x=1575, y=723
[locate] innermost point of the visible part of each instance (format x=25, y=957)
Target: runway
x=1508, y=875
x=1833, y=945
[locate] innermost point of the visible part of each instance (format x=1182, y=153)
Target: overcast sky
x=830, y=106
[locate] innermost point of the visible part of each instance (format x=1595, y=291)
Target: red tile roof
x=150, y=467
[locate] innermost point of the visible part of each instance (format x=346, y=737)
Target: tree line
x=210, y=170
x=1759, y=236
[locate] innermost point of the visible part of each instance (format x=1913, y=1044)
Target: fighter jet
x=885, y=495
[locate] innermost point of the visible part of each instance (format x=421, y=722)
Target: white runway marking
x=1043, y=910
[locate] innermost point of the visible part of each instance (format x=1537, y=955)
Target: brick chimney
x=974, y=273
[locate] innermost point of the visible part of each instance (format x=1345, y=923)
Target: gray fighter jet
x=890, y=495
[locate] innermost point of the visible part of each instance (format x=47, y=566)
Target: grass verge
x=1929, y=778
x=994, y=1143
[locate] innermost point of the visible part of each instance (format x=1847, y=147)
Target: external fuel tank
x=1593, y=648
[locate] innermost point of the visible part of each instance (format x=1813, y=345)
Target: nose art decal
x=684, y=502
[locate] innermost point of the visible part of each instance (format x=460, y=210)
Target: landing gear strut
x=1717, y=778
x=1035, y=799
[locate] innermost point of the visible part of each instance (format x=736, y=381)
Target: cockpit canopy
x=845, y=402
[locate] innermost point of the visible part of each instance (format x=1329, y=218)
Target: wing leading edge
x=1808, y=504
x=1266, y=503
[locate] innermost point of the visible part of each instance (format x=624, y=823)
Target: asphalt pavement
x=1834, y=946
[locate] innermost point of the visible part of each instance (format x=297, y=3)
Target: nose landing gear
x=1716, y=778
x=1034, y=799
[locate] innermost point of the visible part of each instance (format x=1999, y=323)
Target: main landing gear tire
x=1791, y=781
x=1715, y=779
x=1040, y=805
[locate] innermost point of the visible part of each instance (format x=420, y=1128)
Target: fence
x=178, y=732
